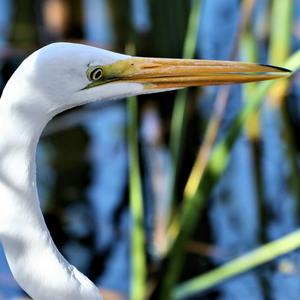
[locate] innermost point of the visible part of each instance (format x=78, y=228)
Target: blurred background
x=106, y=166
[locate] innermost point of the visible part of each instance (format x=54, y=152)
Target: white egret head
x=64, y=75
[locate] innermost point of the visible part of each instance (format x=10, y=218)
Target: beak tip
x=278, y=69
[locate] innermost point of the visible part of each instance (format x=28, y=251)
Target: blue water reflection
x=5, y=18
x=234, y=211
x=9, y=289
x=97, y=22
x=141, y=15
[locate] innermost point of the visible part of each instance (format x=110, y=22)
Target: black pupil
x=96, y=74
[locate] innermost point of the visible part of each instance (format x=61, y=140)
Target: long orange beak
x=160, y=73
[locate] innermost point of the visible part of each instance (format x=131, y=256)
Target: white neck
x=32, y=256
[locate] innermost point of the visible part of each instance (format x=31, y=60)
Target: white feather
x=47, y=82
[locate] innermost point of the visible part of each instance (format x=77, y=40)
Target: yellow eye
x=94, y=73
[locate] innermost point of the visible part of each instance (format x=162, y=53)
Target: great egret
x=51, y=80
